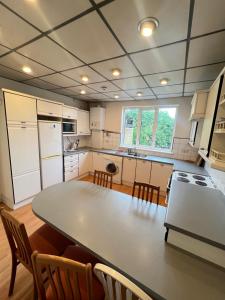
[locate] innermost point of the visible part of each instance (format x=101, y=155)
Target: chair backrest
x=145, y=191
x=118, y=287
x=103, y=178
x=58, y=277
x=18, y=239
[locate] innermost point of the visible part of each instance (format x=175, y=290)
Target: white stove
x=201, y=180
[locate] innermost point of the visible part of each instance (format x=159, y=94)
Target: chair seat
x=79, y=254
x=47, y=240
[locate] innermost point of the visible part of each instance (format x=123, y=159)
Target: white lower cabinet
x=143, y=171
x=160, y=174
x=71, y=167
x=26, y=185
x=129, y=170
x=84, y=163
x=52, y=171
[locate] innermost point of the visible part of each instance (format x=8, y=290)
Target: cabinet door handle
x=24, y=127
x=50, y=113
x=23, y=122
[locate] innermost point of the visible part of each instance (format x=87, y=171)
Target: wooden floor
x=24, y=281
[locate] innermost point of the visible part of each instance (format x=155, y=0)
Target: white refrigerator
x=50, y=137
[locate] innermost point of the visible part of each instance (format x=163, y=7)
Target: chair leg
x=35, y=292
x=13, y=275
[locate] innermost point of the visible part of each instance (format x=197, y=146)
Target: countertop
x=178, y=165
x=199, y=212
x=128, y=234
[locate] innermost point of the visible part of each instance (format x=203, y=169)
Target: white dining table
x=127, y=234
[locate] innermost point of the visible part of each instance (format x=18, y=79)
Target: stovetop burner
x=202, y=183
x=182, y=174
x=183, y=179
x=198, y=177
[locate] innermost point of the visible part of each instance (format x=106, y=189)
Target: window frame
x=137, y=145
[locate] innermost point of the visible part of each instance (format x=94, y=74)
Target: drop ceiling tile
x=147, y=97
x=169, y=89
x=98, y=96
x=88, y=38
x=145, y=92
x=82, y=97
x=47, y=14
x=175, y=77
x=121, y=94
x=162, y=59
x=208, y=16
x=77, y=73
x=192, y=87
x=12, y=74
x=103, y=87
x=64, y=91
x=50, y=54
x=14, y=31
x=3, y=49
x=131, y=83
x=188, y=94
x=17, y=61
x=41, y=84
x=78, y=89
x=207, y=49
x=60, y=80
x=174, y=95
x=122, y=63
x=204, y=73
x=124, y=16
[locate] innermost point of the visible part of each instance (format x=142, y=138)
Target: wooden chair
x=118, y=287
x=64, y=278
x=103, y=178
x=45, y=240
x=145, y=190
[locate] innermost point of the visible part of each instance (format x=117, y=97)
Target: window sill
x=169, y=151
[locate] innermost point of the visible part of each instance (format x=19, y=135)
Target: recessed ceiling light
x=27, y=69
x=83, y=92
x=116, y=96
x=139, y=94
x=164, y=81
x=84, y=78
x=116, y=72
x=147, y=26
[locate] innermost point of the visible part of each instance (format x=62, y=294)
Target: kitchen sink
x=140, y=155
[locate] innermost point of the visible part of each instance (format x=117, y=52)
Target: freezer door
x=51, y=171
x=50, y=137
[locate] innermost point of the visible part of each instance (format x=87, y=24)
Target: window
x=148, y=127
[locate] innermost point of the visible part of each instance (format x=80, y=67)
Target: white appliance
x=97, y=118
x=50, y=137
x=201, y=180
x=69, y=127
x=113, y=164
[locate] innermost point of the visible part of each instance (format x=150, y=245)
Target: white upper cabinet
x=129, y=169
x=97, y=118
x=47, y=108
x=83, y=122
x=198, y=105
x=20, y=109
x=143, y=171
x=70, y=112
x=160, y=174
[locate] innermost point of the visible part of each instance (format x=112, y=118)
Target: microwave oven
x=69, y=127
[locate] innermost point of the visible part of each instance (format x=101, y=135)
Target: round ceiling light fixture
x=83, y=92
x=116, y=96
x=139, y=94
x=164, y=81
x=84, y=78
x=147, y=26
x=27, y=69
x=116, y=72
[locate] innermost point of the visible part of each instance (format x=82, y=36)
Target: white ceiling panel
x=207, y=49
x=88, y=38
x=78, y=89
x=17, y=62
x=47, y=14
x=124, y=16
x=50, y=54
x=147, y=97
x=12, y=74
x=208, y=16
x=162, y=59
x=98, y=96
x=189, y=94
x=64, y=91
x=3, y=50
x=192, y=87
x=121, y=94
x=60, y=80
x=175, y=95
x=14, y=31
x=122, y=63
x=175, y=77
x=204, y=73
x=168, y=89
x=41, y=83
x=105, y=86
x=131, y=83
x=87, y=71
x=145, y=92
x=82, y=97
